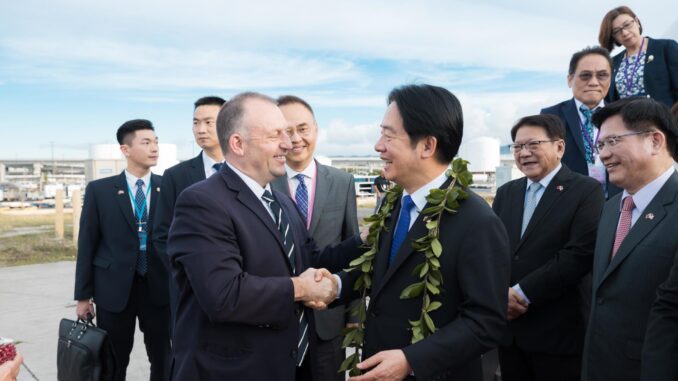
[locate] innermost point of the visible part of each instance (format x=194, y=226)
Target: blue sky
x=72, y=71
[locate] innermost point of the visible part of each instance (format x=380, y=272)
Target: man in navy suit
x=636, y=241
x=116, y=267
x=241, y=253
x=182, y=175
x=589, y=77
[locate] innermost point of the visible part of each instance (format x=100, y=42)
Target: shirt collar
x=254, y=186
x=547, y=179
x=207, y=161
x=644, y=196
x=578, y=103
x=419, y=196
x=132, y=180
x=308, y=172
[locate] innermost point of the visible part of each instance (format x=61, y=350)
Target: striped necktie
x=142, y=222
x=301, y=197
x=530, y=205
x=288, y=243
x=624, y=225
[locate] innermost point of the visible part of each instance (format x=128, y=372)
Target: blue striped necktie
x=288, y=243
x=140, y=202
x=301, y=196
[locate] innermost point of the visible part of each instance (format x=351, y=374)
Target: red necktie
x=624, y=224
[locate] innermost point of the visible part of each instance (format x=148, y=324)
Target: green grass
x=35, y=248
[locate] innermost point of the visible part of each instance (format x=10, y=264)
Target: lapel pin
x=560, y=188
x=157, y=189
x=120, y=191
x=650, y=58
x=649, y=216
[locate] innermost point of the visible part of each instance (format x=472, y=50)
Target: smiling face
x=264, y=141
x=591, y=79
x=627, y=30
x=303, y=132
x=142, y=150
x=536, y=165
x=205, y=126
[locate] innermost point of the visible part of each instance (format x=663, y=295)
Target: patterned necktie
x=288, y=243
x=301, y=196
x=140, y=202
x=588, y=127
x=402, y=228
x=530, y=205
x=624, y=224
x=217, y=166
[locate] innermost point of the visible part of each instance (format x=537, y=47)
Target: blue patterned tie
x=588, y=127
x=140, y=201
x=530, y=205
x=288, y=243
x=301, y=196
x=217, y=166
x=402, y=228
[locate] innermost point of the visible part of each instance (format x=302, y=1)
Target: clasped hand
x=316, y=288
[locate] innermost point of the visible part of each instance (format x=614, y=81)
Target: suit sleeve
x=483, y=278
x=163, y=216
x=88, y=241
x=203, y=248
x=350, y=228
x=661, y=339
x=575, y=259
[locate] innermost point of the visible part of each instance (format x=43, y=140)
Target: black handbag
x=84, y=352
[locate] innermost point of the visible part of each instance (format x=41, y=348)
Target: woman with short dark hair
x=646, y=67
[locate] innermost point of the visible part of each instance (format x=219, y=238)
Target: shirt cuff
x=338, y=278
x=520, y=292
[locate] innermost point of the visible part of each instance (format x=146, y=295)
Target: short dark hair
x=551, y=124
x=431, y=111
x=641, y=113
x=576, y=57
x=231, y=113
x=209, y=101
x=125, y=133
x=605, y=37
x=289, y=99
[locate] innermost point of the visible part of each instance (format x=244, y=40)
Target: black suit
x=475, y=268
x=551, y=263
x=174, y=181
x=575, y=151
x=660, y=77
x=660, y=350
x=237, y=319
x=108, y=246
x=624, y=288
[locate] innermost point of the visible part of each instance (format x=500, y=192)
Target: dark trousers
x=327, y=357
x=519, y=365
x=153, y=322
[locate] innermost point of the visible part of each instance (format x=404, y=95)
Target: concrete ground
x=33, y=300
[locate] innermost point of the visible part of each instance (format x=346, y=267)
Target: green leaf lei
x=440, y=201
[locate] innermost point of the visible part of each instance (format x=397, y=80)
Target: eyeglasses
x=625, y=26
x=532, y=146
x=613, y=140
x=602, y=76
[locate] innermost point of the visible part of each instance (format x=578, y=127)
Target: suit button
x=600, y=300
x=293, y=354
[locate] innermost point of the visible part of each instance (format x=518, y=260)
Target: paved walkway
x=33, y=299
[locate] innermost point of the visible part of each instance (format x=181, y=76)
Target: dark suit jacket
x=575, y=151
x=624, y=288
x=661, y=73
x=108, y=245
x=334, y=219
x=174, y=181
x=475, y=267
x=552, y=260
x=660, y=349
x=237, y=319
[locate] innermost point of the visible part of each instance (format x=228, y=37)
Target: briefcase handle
x=84, y=324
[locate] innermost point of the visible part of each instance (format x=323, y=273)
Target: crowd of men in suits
x=230, y=260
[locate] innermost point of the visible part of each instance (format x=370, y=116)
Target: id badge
x=143, y=237
x=597, y=171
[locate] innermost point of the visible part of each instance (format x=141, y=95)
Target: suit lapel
x=573, y=124
x=607, y=229
x=517, y=206
x=644, y=225
x=381, y=260
x=197, y=169
x=282, y=185
x=122, y=197
x=155, y=183
x=323, y=184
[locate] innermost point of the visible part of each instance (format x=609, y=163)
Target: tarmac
x=33, y=300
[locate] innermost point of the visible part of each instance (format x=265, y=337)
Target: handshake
x=316, y=288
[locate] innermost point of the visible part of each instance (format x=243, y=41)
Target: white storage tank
x=482, y=153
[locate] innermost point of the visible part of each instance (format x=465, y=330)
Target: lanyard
x=139, y=210
x=627, y=78
x=589, y=138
